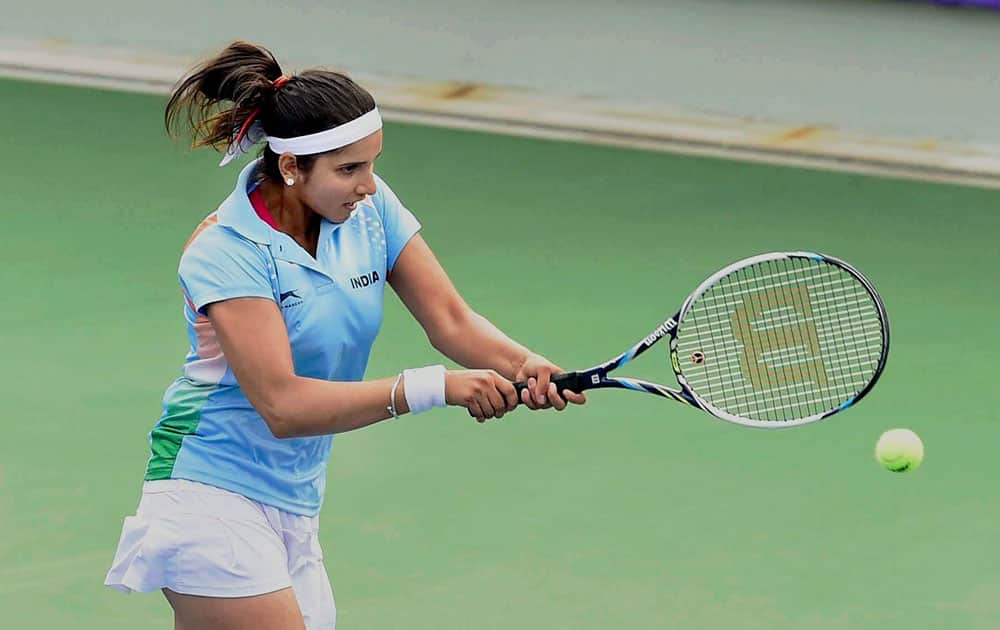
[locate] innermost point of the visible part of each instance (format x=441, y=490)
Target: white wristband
x=424, y=388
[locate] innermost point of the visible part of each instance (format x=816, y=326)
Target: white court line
x=519, y=112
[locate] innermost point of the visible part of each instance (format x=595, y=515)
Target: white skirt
x=197, y=539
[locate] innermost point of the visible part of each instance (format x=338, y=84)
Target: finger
x=486, y=405
x=542, y=386
x=476, y=411
x=498, y=403
x=532, y=385
x=527, y=400
x=573, y=397
x=554, y=397
x=509, y=393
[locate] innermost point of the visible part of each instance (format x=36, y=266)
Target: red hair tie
x=277, y=83
x=235, y=147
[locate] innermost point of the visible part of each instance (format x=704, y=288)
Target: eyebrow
x=357, y=163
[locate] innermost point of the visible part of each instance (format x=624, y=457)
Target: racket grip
x=573, y=381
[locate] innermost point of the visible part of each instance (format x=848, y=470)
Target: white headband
x=335, y=138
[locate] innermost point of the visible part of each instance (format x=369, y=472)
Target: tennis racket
x=775, y=340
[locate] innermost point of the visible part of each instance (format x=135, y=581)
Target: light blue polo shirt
x=332, y=307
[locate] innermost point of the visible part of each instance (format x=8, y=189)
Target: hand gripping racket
x=775, y=340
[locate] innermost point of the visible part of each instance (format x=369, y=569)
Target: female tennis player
x=283, y=288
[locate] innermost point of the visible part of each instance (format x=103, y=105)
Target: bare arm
x=452, y=327
x=253, y=337
x=464, y=335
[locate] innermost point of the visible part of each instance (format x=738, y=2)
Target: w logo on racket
x=780, y=342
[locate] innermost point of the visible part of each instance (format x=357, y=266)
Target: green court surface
x=630, y=512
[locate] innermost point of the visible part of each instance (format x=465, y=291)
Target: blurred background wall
x=892, y=67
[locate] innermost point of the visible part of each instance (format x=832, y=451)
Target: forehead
x=363, y=150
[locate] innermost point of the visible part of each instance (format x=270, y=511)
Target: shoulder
x=219, y=264
x=214, y=242
x=211, y=236
x=398, y=223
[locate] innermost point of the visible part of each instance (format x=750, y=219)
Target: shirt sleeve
x=398, y=222
x=219, y=265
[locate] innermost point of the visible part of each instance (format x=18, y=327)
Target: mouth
x=353, y=204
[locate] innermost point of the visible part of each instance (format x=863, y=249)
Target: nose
x=367, y=185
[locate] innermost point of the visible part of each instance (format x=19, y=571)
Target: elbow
x=443, y=339
x=281, y=428
x=438, y=341
x=279, y=423
x=278, y=414
x=292, y=409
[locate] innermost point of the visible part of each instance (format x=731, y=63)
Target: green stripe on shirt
x=184, y=402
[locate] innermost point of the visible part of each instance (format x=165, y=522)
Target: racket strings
x=782, y=340
x=814, y=369
x=839, y=391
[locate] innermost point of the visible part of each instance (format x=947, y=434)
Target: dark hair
x=243, y=74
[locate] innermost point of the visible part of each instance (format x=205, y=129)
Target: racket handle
x=573, y=381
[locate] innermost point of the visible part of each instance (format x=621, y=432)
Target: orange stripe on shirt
x=208, y=348
x=209, y=221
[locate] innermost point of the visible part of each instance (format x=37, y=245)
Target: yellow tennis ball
x=899, y=450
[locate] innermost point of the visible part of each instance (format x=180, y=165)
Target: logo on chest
x=289, y=299
x=364, y=280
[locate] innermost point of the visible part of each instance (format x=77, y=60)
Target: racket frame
x=597, y=377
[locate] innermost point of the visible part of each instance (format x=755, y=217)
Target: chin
x=340, y=216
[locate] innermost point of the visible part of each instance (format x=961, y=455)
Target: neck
x=292, y=216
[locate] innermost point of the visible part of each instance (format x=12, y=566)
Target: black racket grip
x=573, y=381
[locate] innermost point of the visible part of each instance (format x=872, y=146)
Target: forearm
x=473, y=341
x=307, y=406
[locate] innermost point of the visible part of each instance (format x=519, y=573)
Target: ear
x=288, y=166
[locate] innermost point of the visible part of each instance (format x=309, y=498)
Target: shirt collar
x=238, y=214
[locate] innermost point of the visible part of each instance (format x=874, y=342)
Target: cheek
x=328, y=191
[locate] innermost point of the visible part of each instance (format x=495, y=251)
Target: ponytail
x=243, y=75
x=217, y=98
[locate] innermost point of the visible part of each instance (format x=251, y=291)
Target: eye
x=350, y=168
